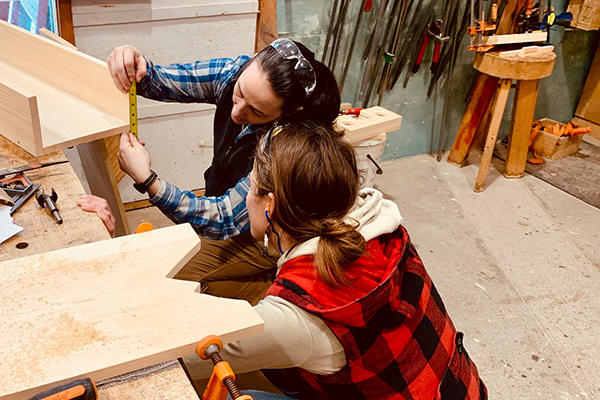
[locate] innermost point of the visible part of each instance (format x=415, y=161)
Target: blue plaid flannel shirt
x=199, y=82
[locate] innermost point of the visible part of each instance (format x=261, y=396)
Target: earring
x=266, y=242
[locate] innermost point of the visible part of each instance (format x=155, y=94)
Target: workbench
x=41, y=234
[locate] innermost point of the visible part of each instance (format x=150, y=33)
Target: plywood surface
x=106, y=308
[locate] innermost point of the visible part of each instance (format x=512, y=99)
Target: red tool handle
x=368, y=5
x=417, y=63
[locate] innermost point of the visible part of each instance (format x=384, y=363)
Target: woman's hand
x=125, y=64
x=133, y=157
x=100, y=206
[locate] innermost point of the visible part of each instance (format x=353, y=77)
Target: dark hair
x=323, y=104
x=311, y=171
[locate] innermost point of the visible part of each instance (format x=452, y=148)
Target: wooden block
x=371, y=122
x=588, y=107
x=53, y=36
x=106, y=308
x=495, y=40
x=77, y=101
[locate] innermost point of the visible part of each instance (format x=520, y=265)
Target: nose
x=239, y=109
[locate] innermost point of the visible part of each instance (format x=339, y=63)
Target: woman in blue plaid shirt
x=282, y=83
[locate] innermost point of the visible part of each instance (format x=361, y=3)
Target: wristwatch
x=143, y=187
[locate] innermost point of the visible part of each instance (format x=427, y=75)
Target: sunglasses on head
x=303, y=70
x=265, y=146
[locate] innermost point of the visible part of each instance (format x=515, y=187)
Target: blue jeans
x=258, y=395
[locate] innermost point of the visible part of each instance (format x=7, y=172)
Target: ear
x=271, y=203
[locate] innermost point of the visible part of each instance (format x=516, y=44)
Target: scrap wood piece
x=105, y=309
x=54, y=97
x=370, y=123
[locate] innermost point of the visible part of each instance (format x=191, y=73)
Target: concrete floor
x=518, y=267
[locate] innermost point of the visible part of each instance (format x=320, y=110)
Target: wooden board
x=106, y=308
x=586, y=14
x=77, y=101
x=588, y=107
x=371, y=122
x=495, y=40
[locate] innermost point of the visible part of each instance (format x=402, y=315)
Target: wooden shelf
x=53, y=97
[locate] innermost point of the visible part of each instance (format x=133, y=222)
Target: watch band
x=143, y=187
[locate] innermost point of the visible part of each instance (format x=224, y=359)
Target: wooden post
x=522, y=119
x=98, y=171
x=266, y=24
x=490, y=143
x=478, y=106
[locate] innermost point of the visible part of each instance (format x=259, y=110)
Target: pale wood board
x=495, y=40
x=371, y=122
x=588, y=107
x=106, y=308
x=77, y=101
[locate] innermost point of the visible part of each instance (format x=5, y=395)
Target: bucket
x=367, y=168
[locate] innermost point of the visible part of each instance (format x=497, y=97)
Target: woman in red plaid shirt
x=352, y=313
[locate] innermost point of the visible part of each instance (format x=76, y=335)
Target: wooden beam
x=479, y=102
x=65, y=21
x=266, y=24
x=490, y=143
x=107, y=308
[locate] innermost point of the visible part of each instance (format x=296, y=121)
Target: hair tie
x=320, y=229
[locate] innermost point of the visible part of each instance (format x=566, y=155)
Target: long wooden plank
x=106, y=308
x=69, y=70
x=65, y=120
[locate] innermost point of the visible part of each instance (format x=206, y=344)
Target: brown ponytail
x=311, y=171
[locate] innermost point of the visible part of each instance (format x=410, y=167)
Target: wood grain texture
x=531, y=67
x=77, y=101
x=266, y=24
x=490, y=143
x=371, y=122
x=106, y=308
x=588, y=106
x=520, y=128
x=496, y=40
x=19, y=117
x=479, y=104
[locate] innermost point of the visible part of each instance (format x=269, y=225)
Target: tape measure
x=133, y=128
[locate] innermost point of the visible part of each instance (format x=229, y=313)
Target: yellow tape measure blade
x=133, y=126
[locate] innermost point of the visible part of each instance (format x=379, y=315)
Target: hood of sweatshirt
x=376, y=216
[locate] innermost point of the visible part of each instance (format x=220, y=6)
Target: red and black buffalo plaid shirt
x=398, y=339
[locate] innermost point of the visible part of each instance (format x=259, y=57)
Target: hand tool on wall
x=81, y=389
x=49, y=202
x=365, y=7
x=222, y=376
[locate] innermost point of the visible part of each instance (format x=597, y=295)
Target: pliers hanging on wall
x=433, y=33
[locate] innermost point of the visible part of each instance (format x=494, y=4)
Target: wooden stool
x=527, y=71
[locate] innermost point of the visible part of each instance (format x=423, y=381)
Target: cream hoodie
x=292, y=336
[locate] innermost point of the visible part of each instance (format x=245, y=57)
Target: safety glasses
x=303, y=70
x=265, y=146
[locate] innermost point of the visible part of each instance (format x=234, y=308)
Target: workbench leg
x=479, y=103
x=490, y=143
x=102, y=182
x=520, y=128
